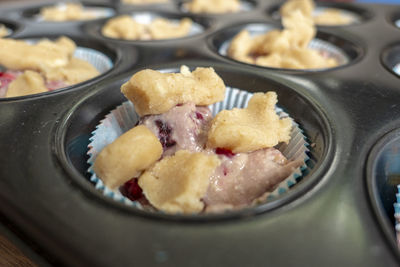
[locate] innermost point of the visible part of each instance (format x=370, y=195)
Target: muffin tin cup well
x=345, y=52
x=124, y=118
x=383, y=169
x=199, y=25
x=94, y=52
x=312, y=121
x=341, y=111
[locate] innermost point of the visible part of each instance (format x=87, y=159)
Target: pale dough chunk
x=126, y=27
x=163, y=29
x=332, y=16
x=287, y=48
x=177, y=183
x=143, y=2
x=127, y=156
x=305, y=6
x=153, y=92
x=329, y=16
x=213, y=6
x=255, y=127
x=20, y=55
x=65, y=12
x=76, y=71
x=29, y=82
x=3, y=30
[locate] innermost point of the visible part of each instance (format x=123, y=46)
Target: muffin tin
x=340, y=213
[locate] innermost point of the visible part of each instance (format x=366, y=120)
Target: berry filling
x=164, y=134
x=199, y=116
x=132, y=190
x=225, y=152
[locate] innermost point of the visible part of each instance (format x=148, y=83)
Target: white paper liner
x=396, y=68
x=397, y=23
x=95, y=12
x=124, y=118
x=323, y=47
x=99, y=60
x=148, y=17
x=397, y=215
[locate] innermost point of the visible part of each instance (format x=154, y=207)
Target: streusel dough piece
x=127, y=156
x=76, y=71
x=65, y=12
x=329, y=16
x=332, y=16
x=287, y=48
x=143, y=2
x=30, y=82
x=305, y=6
x=3, y=30
x=153, y=92
x=127, y=28
x=213, y=6
x=255, y=127
x=40, y=56
x=124, y=27
x=164, y=29
x=177, y=183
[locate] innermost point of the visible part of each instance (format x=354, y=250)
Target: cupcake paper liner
x=124, y=118
x=324, y=47
x=397, y=215
x=397, y=23
x=100, y=61
x=396, y=68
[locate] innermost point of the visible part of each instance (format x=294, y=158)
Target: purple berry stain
x=164, y=134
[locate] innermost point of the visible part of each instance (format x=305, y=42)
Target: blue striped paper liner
x=124, y=118
x=97, y=12
x=396, y=68
x=317, y=44
x=397, y=215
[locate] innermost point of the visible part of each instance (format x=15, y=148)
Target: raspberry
x=199, y=116
x=224, y=151
x=132, y=190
